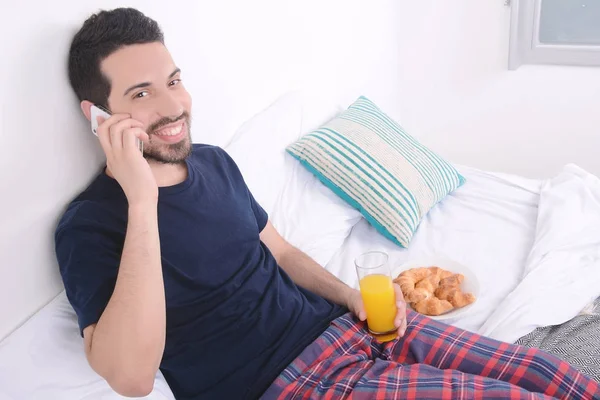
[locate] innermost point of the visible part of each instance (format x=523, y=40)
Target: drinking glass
x=377, y=291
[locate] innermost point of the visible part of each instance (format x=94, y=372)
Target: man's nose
x=170, y=106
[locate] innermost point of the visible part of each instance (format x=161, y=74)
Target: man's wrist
x=348, y=295
x=143, y=208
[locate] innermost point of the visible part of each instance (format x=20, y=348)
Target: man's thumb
x=362, y=315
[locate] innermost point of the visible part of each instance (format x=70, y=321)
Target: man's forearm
x=129, y=338
x=305, y=272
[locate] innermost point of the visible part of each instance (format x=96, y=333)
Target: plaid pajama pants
x=432, y=361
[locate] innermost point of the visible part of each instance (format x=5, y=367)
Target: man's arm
x=303, y=270
x=126, y=345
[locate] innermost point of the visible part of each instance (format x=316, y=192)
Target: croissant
x=433, y=290
x=426, y=284
x=431, y=282
x=453, y=280
x=455, y=296
x=417, y=295
x=407, y=281
x=437, y=274
x=432, y=306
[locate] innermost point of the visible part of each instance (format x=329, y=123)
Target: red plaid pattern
x=432, y=361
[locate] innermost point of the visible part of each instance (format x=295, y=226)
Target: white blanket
x=534, y=246
x=562, y=273
x=488, y=225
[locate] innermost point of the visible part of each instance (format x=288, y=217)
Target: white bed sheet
x=495, y=214
x=487, y=225
x=562, y=272
x=490, y=225
x=44, y=360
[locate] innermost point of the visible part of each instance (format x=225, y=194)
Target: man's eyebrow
x=138, y=86
x=146, y=84
x=177, y=70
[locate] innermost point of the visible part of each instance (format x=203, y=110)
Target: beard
x=173, y=153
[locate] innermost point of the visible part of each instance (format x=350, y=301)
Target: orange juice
x=378, y=295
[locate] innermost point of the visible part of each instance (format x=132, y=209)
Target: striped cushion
x=373, y=164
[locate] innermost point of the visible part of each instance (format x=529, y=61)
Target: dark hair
x=101, y=35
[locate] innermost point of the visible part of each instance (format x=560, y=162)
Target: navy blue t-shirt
x=235, y=319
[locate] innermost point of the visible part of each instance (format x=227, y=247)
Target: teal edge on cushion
x=339, y=192
x=461, y=179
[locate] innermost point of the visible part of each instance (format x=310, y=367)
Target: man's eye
x=141, y=94
x=174, y=82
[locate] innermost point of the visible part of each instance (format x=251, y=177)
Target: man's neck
x=165, y=174
x=168, y=174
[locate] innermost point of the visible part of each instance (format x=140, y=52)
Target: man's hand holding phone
x=118, y=136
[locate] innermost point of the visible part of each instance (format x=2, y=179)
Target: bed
x=534, y=246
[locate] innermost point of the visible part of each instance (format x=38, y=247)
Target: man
x=170, y=263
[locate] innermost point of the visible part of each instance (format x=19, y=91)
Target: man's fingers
x=104, y=138
x=400, y=321
x=117, y=129
x=398, y=292
x=114, y=118
x=362, y=315
x=360, y=307
x=400, y=314
x=104, y=126
x=403, y=327
x=131, y=135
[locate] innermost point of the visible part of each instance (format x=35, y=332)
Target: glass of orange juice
x=377, y=291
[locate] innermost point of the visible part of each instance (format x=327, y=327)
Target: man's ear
x=86, y=108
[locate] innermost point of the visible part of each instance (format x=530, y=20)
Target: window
x=565, y=32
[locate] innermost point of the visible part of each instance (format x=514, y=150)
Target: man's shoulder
x=214, y=156
x=206, y=150
x=98, y=205
x=78, y=211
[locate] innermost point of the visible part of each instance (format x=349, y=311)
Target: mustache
x=166, y=121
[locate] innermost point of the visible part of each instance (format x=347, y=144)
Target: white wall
x=459, y=97
x=438, y=67
x=236, y=57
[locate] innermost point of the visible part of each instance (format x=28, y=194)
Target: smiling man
x=170, y=263
x=166, y=257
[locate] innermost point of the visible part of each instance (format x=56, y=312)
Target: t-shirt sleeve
x=88, y=257
x=259, y=213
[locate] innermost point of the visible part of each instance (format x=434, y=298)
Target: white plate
x=469, y=285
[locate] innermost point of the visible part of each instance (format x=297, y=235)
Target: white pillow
x=44, y=359
x=302, y=209
x=257, y=147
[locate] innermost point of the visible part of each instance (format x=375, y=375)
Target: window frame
x=525, y=46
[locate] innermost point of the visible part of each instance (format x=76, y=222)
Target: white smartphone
x=99, y=111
